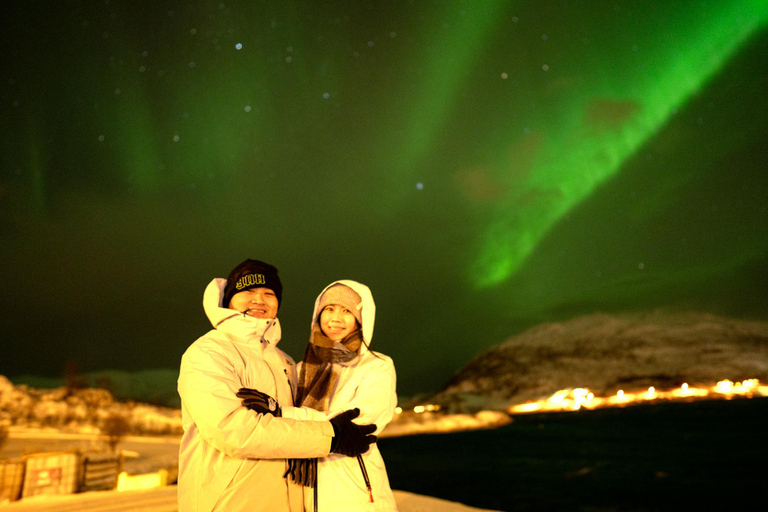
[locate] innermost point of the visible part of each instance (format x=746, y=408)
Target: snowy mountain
x=606, y=353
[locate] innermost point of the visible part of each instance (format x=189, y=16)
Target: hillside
x=606, y=353
x=81, y=410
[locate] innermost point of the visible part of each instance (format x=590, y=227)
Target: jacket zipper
x=365, y=476
x=290, y=386
x=359, y=457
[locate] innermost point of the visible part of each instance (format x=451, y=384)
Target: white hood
x=367, y=309
x=234, y=322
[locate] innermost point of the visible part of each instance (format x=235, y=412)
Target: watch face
x=272, y=404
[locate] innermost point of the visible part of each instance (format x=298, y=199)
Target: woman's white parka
x=231, y=458
x=370, y=386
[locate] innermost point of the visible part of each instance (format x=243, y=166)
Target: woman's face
x=337, y=322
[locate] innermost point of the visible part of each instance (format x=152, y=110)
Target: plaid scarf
x=320, y=370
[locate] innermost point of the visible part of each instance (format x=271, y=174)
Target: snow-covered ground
x=164, y=500
x=58, y=420
x=146, y=454
x=84, y=411
x=143, y=454
x=410, y=423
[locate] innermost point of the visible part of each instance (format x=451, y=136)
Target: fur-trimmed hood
x=234, y=322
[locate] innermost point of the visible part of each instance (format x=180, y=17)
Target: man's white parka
x=231, y=458
x=368, y=385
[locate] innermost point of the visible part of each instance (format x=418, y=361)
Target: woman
x=340, y=372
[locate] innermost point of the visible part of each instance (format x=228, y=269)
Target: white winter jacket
x=231, y=458
x=370, y=386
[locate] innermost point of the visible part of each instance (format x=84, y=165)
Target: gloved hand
x=349, y=438
x=257, y=401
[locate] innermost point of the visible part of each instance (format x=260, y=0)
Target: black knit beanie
x=252, y=274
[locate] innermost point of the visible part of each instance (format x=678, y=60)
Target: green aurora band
x=578, y=159
x=445, y=64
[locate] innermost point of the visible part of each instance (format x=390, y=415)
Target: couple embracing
x=264, y=434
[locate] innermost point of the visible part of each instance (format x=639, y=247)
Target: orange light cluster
x=420, y=409
x=573, y=399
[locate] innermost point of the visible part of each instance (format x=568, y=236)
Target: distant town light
x=577, y=398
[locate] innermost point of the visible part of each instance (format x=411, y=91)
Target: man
x=232, y=458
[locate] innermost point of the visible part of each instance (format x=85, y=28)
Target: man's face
x=256, y=302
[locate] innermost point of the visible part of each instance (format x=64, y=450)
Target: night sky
x=483, y=166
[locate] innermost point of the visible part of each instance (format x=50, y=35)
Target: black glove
x=349, y=438
x=260, y=402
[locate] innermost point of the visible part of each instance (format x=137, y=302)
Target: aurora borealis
x=605, y=122
x=482, y=166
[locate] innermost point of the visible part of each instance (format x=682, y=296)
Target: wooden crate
x=11, y=479
x=51, y=473
x=100, y=471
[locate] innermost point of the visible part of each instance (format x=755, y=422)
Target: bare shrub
x=94, y=400
x=73, y=376
x=114, y=428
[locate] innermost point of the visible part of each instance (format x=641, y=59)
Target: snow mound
x=434, y=423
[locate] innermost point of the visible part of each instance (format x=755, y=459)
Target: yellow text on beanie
x=252, y=274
